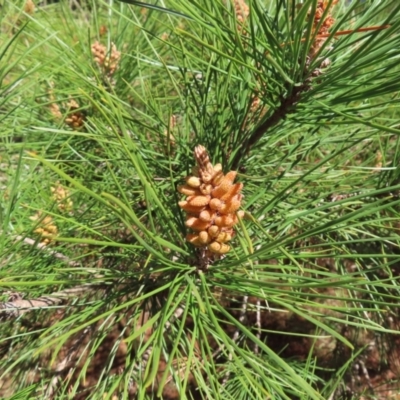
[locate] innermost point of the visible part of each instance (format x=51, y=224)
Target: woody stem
x=286, y=106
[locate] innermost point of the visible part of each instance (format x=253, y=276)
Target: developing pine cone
x=211, y=204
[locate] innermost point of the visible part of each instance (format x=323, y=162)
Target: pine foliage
x=110, y=289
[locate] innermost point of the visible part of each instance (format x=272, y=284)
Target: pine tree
x=200, y=199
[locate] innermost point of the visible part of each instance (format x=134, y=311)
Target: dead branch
x=19, y=306
x=42, y=246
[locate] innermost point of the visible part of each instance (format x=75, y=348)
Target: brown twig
x=142, y=364
x=19, y=306
x=44, y=247
x=286, y=107
x=52, y=386
x=236, y=335
x=258, y=324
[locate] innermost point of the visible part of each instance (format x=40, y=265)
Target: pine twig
x=258, y=324
x=322, y=22
x=286, y=107
x=15, y=308
x=141, y=366
x=44, y=247
x=236, y=335
x=52, y=386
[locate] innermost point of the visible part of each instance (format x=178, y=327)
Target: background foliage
x=102, y=297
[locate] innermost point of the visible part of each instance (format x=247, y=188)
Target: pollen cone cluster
x=61, y=196
x=323, y=21
x=46, y=229
x=75, y=118
x=211, y=204
x=107, y=61
x=242, y=12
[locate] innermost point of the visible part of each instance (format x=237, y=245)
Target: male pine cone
x=211, y=205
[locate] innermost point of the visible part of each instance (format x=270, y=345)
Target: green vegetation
x=101, y=106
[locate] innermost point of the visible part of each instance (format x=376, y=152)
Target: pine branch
x=19, y=306
x=287, y=106
x=42, y=246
